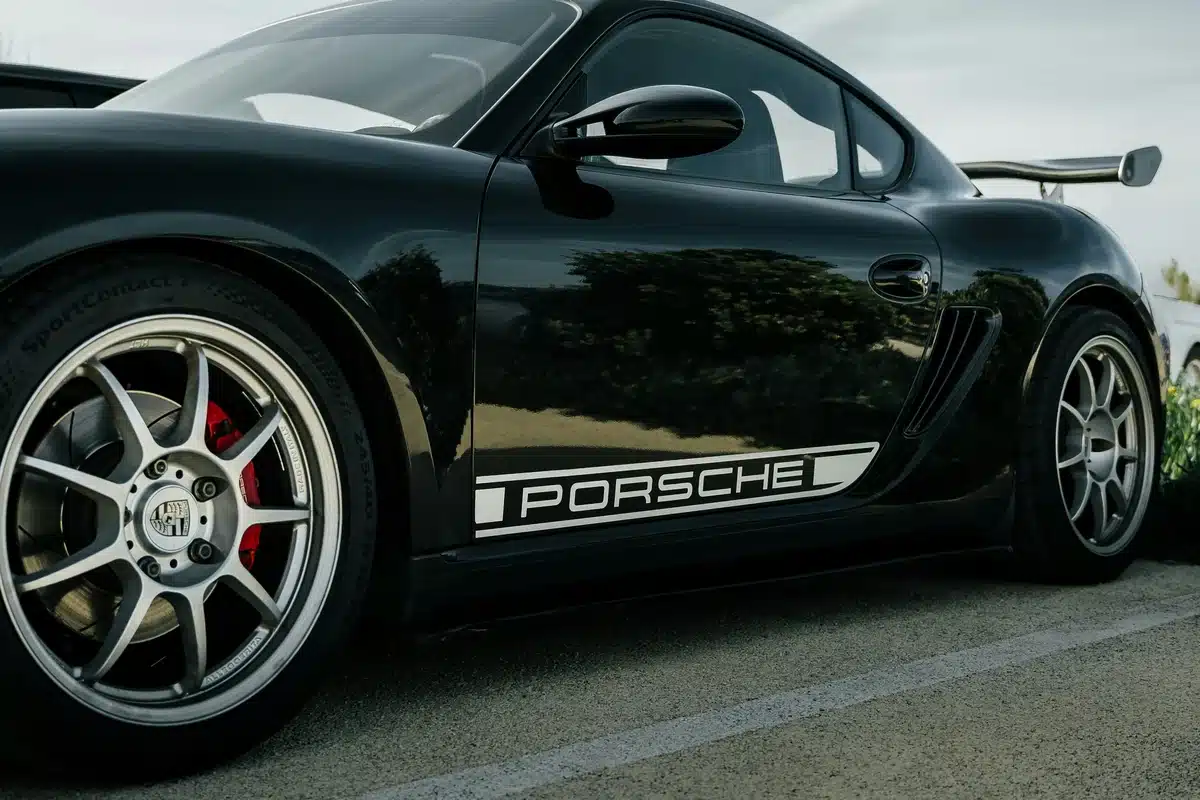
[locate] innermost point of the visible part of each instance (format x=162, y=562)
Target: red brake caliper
x=221, y=436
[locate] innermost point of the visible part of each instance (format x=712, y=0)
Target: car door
x=694, y=340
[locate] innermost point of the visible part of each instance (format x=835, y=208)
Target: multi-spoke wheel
x=182, y=545
x=1100, y=439
x=1090, y=449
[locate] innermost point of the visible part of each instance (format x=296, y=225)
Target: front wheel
x=187, y=518
x=1089, y=456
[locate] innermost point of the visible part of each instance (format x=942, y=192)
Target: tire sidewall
x=42, y=326
x=1045, y=536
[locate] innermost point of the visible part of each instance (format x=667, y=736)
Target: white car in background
x=1180, y=322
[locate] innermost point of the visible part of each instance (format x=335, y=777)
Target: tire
x=1122, y=452
x=1189, y=376
x=155, y=708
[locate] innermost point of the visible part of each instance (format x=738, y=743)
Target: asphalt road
x=923, y=682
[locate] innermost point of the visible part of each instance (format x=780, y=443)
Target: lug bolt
x=151, y=567
x=156, y=470
x=202, y=552
x=206, y=489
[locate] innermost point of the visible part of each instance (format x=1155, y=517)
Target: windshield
x=414, y=68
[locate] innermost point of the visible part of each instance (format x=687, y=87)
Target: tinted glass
x=794, y=133
x=417, y=68
x=18, y=96
x=879, y=148
x=92, y=96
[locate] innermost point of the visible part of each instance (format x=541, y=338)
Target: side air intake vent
x=964, y=337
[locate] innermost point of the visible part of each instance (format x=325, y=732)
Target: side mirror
x=652, y=122
x=1139, y=167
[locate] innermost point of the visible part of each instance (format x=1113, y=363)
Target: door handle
x=903, y=278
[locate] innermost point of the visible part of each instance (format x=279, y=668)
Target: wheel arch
x=371, y=362
x=1101, y=292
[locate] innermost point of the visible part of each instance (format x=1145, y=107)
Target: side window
x=795, y=131
x=808, y=151
x=879, y=148
x=18, y=96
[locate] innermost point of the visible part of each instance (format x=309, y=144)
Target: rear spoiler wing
x=1135, y=168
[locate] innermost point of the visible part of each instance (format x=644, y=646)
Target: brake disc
x=54, y=523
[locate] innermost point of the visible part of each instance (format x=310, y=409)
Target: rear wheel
x=184, y=548
x=1089, y=451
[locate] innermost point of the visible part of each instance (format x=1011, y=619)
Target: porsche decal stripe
x=571, y=498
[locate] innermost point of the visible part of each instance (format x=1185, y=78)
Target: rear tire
x=1089, y=452
x=100, y=378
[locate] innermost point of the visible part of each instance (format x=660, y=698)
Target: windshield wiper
x=385, y=130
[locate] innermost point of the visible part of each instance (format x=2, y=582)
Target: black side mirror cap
x=651, y=122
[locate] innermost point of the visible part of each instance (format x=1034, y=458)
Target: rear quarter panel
x=1027, y=259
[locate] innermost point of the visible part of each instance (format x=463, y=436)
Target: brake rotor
x=54, y=523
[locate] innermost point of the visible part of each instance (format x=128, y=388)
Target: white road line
x=684, y=733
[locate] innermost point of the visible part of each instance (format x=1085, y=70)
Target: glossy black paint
x=374, y=238
x=415, y=261
x=649, y=303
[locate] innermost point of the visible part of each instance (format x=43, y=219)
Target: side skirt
x=502, y=578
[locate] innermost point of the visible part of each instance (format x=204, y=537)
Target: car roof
x=622, y=7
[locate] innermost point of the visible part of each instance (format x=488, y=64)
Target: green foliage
x=1181, y=445
x=1180, y=282
x=1180, y=505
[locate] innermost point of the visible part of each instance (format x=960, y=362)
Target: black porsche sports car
x=474, y=299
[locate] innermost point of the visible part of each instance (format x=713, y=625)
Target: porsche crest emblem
x=172, y=518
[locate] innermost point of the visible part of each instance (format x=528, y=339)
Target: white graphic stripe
x=489, y=505
x=869, y=448
x=657, y=512
x=841, y=469
x=834, y=468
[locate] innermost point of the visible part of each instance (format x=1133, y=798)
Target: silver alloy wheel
x=1104, y=445
x=162, y=536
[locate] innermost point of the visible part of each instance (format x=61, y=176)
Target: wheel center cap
x=168, y=519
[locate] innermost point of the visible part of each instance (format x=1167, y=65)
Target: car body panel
x=396, y=251
x=649, y=367
x=1026, y=259
x=392, y=233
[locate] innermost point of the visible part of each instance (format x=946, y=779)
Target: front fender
x=382, y=231
x=278, y=259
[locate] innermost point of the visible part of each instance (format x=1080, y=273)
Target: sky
x=985, y=79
